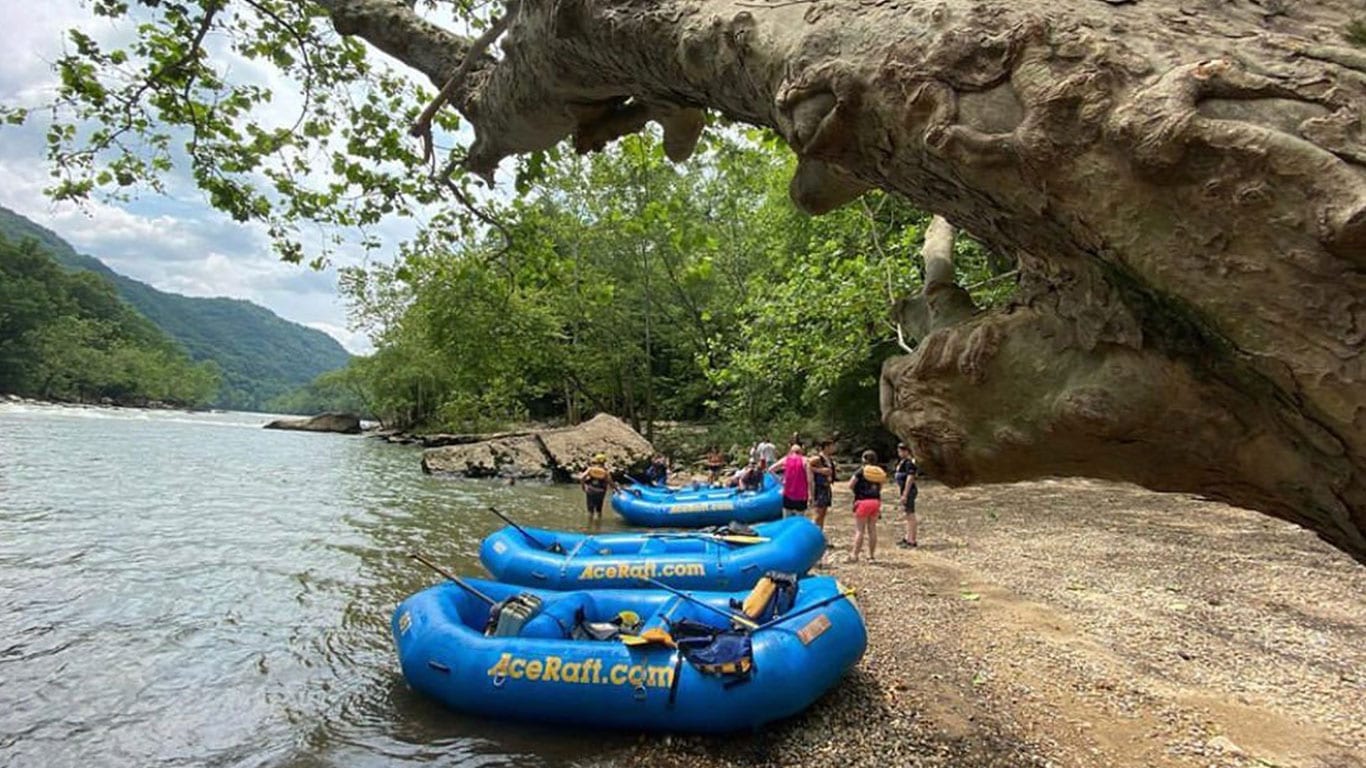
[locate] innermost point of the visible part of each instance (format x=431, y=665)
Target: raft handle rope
x=554, y=546
x=459, y=581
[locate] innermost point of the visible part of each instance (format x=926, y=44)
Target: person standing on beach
x=716, y=461
x=867, y=487
x=822, y=475
x=766, y=453
x=905, y=475
x=797, y=481
x=596, y=482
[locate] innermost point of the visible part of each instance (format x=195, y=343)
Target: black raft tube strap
x=678, y=673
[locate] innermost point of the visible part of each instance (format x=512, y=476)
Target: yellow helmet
x=600, y=458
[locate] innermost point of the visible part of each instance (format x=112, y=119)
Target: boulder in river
x=570, y=449
x=558, y=453
x=345, y=423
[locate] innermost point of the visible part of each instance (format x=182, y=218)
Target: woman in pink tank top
x=797, y=481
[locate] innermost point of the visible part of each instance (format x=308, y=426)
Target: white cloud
x=176, y=243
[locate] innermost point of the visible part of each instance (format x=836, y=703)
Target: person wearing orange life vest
x=867, y=487
x=596, y=482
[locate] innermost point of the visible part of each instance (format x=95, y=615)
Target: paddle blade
x=651, y=636
x=738, y=539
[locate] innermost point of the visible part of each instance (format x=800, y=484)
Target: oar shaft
x=806, y=609
x=520, y=529
x=742, y=620
x=459, y=581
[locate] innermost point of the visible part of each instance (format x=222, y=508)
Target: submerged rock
x=556, y=453
x=344, y=423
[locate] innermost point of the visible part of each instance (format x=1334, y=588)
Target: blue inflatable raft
x=666, y=677
x=695, y=506
x=558, y=560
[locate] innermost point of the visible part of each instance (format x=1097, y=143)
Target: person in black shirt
x=658, y=472
x=907, y=490
x=823, y=474
x=596, y=482
x=867, y=487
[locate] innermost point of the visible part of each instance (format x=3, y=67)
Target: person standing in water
x=596, y=482
x=797, y=481
x=822, y=476
x=867, y=487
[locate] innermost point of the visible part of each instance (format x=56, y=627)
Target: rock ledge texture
x=555, y=453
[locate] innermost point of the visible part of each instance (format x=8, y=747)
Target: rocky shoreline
x=1081, y=623
x=105, y=402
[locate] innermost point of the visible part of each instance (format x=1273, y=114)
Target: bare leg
x=910, y=528
x=872, y=538
x=860, y=524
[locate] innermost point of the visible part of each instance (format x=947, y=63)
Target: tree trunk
x=1184, y=182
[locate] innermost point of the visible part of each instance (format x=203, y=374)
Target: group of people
x=807, y=481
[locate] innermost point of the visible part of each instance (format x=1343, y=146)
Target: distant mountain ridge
x=261, y=354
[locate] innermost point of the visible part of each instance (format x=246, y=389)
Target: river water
x=190, y=589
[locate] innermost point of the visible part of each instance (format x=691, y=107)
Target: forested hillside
x=68, y=336
x=260, y=355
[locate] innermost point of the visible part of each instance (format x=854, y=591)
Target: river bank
x=1082, y=623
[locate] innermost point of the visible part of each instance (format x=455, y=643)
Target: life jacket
x=773, y=595
x=904, y=469
x=714, y=650
x=752, y=479
x=868, y=482
x=822, y=481
x=597, y=477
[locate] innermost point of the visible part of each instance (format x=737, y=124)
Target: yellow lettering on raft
x=660, y=677
x=646, y=570
x=501, y=668
x=555, y=669
x=702, y=506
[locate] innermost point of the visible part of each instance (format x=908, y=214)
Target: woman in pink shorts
x=867, y=487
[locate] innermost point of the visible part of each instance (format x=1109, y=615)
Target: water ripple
x=188, y=589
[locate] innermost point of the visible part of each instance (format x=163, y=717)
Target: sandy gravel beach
x=1082, y=623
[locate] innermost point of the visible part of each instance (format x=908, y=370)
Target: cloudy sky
x=176, y=242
